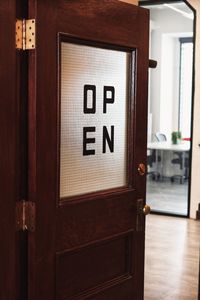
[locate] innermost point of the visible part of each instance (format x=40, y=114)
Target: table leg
x=183, y=167
x=162, y=165
x=156, y=176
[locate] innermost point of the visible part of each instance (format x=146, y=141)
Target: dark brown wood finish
x=12, y=153
x=8, y=148
x=198, y=213
x=86, y=248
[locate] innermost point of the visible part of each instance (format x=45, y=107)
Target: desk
x=183, y=147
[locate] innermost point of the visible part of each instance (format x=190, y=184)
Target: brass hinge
x=25, y=216
x=25, y=34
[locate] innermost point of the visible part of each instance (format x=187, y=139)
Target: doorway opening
x=171, y=241
x=170, y=107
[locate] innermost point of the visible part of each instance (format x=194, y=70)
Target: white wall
x=168, y=85
x=195, y=182
x=164, y=96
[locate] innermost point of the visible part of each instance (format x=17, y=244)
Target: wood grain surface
x=172, y=258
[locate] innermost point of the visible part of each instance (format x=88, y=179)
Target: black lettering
x=108, y=139
x=107, y=100
x=88, y=110
x=87, y=140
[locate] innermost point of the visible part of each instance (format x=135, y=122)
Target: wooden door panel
x=89, y=246
x=94, y=267
x=94, y=19
x=94, y=220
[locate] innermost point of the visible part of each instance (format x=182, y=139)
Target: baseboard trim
x=198, y=213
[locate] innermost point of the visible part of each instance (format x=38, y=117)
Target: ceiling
x=180, y=7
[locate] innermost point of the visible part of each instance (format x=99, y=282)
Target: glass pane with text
x=93, y=129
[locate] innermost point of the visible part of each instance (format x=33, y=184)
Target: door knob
x=146, y=210
x=141, y=169
x=142, y=211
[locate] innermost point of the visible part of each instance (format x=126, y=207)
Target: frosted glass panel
x=94, y=93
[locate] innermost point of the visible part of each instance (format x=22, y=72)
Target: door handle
x=142, y=211
x=141, y=169
x=152, y=63
x=146, y=210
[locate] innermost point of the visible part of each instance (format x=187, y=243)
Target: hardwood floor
x=172, y=258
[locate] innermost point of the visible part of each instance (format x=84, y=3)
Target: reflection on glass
x=170, y=107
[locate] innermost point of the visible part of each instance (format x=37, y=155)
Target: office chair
x=151, y=158
x=180, y=162
x=161, y=137
x=186, y=166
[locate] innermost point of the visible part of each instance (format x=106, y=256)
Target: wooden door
x=12, y=144
x=7, y=154
x=87, y=137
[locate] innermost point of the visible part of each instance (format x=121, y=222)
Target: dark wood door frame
x=8, y=151
x=13, y=78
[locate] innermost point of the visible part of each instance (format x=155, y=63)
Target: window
x=185, y=92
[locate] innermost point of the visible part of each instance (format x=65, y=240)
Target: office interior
x=170, y=108
x=164, y=238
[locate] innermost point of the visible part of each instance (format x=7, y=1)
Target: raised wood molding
x=135, y=2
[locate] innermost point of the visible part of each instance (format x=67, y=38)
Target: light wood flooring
x=172, y=258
